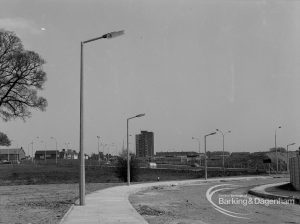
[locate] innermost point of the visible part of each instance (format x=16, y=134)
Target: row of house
x=53, y=154
x=18, y=154
x=13, y=154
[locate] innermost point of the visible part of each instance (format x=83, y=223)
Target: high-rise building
x=144, y=144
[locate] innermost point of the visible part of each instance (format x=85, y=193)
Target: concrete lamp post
x=56, y=149
x=287, y=156
x=128, y=157
x=276, y=149
x=223, y=160
x=32, y=151
x=98, y=138
x=82, y=165
x=205, y=161
x=45, y=150
x=198, y=140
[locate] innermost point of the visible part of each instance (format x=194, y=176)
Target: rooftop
x=11, y=150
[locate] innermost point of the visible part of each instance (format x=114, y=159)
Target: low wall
x=295, y=172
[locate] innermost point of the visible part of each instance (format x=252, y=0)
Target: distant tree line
x=279, y=149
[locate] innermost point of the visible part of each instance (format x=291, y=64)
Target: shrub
x=121, y=170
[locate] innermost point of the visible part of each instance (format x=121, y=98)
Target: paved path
x=260, y=191
x=111, y=205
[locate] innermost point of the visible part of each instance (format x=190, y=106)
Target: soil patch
x=39, y=204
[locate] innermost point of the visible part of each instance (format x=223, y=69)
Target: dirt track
x=188, y=204
x=39, y=203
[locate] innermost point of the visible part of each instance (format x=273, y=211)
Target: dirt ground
x=188, y=204
x=40, y=203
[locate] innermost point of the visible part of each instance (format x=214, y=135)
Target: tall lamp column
x=287, y=157
x=223, y=160
x=205, y=161
x=276, y=149
x=198, y=140
x=82, y=165
x=128, y=157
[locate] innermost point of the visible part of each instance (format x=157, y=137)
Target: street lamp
x=198, y=140
x=38, y=139
x=8, y=151
x=45, y=154
x=223, y=161
x=67, y=144
x=287, y=155
x=32, y=150
x=276, y=149
x=108, y=152
x=213, y=133
x=28, y=150
x=15, y=142
x=103, y=148
x=128, y=159
x=124, y=140
x=98, y=137
x=113, y=144
x=56, y=149
x=82, y=166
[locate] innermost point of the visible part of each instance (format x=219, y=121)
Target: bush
x=121, y=170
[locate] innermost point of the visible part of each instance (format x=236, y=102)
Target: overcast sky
x=192, y=66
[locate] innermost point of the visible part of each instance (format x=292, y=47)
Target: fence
x=295, y=172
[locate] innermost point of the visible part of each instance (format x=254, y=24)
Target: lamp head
x=140, y=115
x=113, y=34
x=213, y=133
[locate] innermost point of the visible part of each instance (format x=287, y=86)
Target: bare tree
x=4, y=140
x=21, y=76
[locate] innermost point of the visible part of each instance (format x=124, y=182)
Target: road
x=189, y=204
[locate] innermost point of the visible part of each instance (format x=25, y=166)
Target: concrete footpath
x=260, y=191
x=111, y=205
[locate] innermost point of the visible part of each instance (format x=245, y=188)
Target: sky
x=191, y=66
